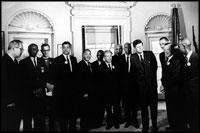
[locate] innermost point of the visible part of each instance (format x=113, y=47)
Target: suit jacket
x=63, y=79
x=146, y=77
x=32, y=81
x=47, y=70
x=85, y=78
x=10, y=85
x=162, y=58
x=172, y=75
x=192, y=79
x=97, y=80
x=110, y=86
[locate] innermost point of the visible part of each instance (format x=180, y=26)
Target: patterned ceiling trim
x=30, y=21
x=158, y=22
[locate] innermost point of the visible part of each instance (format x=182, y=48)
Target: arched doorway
x=31, y=26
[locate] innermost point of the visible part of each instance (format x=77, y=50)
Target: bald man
x=191, y=84
x=172, y=83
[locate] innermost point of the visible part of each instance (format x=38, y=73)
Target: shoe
x=145, y=130
x=127, y=124
x=117, y=126
x=136, y=124
x=167, y=128
x=155, y=129
x=108, y=127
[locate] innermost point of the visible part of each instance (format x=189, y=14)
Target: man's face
x=167, y=50
x=45, y=51
x=33, y=51
x=100, y=56
x=108, y=57
x=127, y=49
x=19, y=50
x=118, y=50
x=162, y=43
x=87, y=55
x=139, y=48
x=66, y=48
x=182, y=47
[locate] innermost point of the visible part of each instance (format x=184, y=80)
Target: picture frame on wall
x=3, y=42
x=59, y=49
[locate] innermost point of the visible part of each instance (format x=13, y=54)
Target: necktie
x=69, y=64
x=109, y=66
x=89, y=65
x=127, y=62
x=142, y=61
x=16, y=63
x=34, y=60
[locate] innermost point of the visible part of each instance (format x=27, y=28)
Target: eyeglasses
x=20, y=48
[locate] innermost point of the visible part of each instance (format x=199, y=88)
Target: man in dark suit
x=171, y=81
x=33, y=90
x=47, y=62
x=109, y=73
x=191, y=84
x=65, y=91
x=116, y=60
x=130, y=92
x=145, y=68
x=97, y=91
x=10, y=88
x=86, y=96
x=162, y=42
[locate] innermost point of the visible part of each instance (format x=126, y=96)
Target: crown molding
x=95, y=4
x=101, y=8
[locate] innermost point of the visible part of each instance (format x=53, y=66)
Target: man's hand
x=38, y=92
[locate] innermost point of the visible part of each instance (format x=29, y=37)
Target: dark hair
x=66, y=42
x=32, y=45
x=86, y=50
x=100, y=51
x=165, y=38
x=44, y=44
x=137, y=41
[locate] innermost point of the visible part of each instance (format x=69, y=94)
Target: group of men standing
x=180, y=77
x=87, y=90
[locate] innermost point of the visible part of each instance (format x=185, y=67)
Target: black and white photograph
x=100, y=66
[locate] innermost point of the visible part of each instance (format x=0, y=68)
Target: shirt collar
x=127, y=55
x=11, y=57
x=141, y=54
x=189, y=55
x=170, y=57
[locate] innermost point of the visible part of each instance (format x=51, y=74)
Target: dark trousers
x=130, y=104
x=34, y=110
x=10, y=119
x=148, y=100
x=50, y=113
x=98, y=110
x=113, y=110
x=85, y=114
x=67, y=123
x=175, y=111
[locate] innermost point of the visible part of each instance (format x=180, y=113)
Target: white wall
x=144, y=10
x=59, y=13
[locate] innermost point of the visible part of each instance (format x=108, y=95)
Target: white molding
x=21, y=21
x=101, y=8
x=95, y=4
